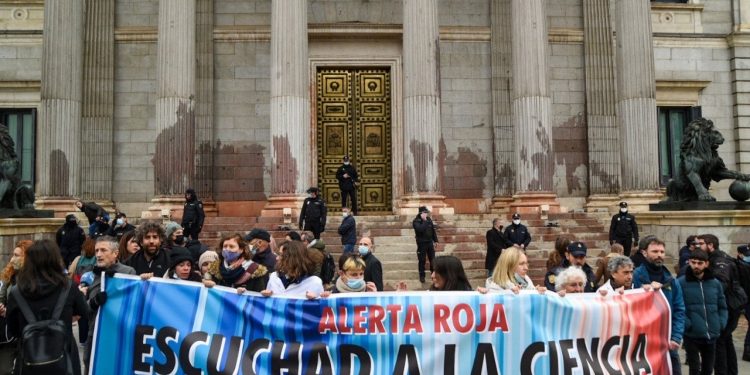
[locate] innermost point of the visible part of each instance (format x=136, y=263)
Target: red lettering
x=327, y=321
x=442, y=312
x=359, y=319
x=466, y=309
x=393, y=311
x=343, y=329
x=375, y=319
x=482, y=317
x=413, y=321
x=498, y=319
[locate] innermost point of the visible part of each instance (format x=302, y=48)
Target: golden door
x=354, y=118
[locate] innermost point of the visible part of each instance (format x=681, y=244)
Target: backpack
x=328, y=268
x=44, y=344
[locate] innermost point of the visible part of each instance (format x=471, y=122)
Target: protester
x=41, y=287
x=653, y=270
x=743, y=269
x=623, y=229
x=511, y=273
x=205, y=261
x=181, y=266
x=705, y=313
x=351, y=276
x=517, y=233
x=84, y=262
x=97, y=216
x=373, y=267
x=192, y=215
x=259, y=241
x=448, y=275
x=293, y=236
x=293, y=275
x=348, y=230
x=174, y=235
x=639, y=257
x=619, y=274
x=314, y=211
x=571, y=280
x=496, y=242
x=151, y=258
x=128, y=246
x=684, y=254
x=575, y=255
x=69, y=239
x=557, y=257
x=8, y=345
x=235, y=267
x=426, y=236
x=602, y=274
x=120, y=226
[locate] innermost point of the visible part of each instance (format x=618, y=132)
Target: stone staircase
x=460, y=235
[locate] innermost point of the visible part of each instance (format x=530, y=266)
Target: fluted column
x=601, y=116
x=531, y=102
x=502, y=119
x=174, y=160
x=98, y=101
x=422, y=131
x=59, y=154
x=290, y=98
x=636, y=97
x=205, y=100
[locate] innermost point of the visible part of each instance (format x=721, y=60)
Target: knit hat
x=177, y=255
x=170, y=228
x=260, y=234
x=208, y=256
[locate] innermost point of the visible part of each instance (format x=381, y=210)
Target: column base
x=287, y=206
x=410, y=204
x=501, y=204
x=165, y=208
x=540, y=203
x=638, y=201
x=603, y=203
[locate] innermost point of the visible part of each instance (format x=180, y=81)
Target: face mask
x=624, y=210
x=253, y=250
x=355, y=283
x=229, y=256
x=16, y=264
x=180, y=239
x=120, y=221
x=516, y=222
x=746, y=258
x=309, y=195
x=344, y=214
x=346, y=163
x=363, y=250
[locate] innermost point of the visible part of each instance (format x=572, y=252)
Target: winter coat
x=266, y=258
x=117, y=231
x=518, y=235
x=314, y=211
x=192, y=211
x=705, y=307
x=424, y=230
x=348, y=231
x=373, y=270
x=93, y=210
x=550, y=279
x=158, y=265
x=623, y=226
x=496, y=243
x=724, y=269
x=347, y=184
x=298, y=288
x=70, y=238
x=672, y=291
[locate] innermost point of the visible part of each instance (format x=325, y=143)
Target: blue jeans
x=348, y=248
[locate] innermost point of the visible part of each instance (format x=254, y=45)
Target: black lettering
x=281, y=363
x=251, y=354
x=604, y=356
x=639, y=359
x=162, y=340
x=407, y=358
x=320, y=362
x=347, y=351
x=449, y=366
x=624, y=355
x=141, y=349
x=217, y=351
x=527, y=359
x=569, y=363
x=191, y=340
x=485, y=357
x=589, y=360
x=553, y=366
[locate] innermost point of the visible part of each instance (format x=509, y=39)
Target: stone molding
x=679, y=93
x=676, y=18
x=20, y=94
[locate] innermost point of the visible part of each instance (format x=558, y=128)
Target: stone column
x=174, y=159
x=98, y=102
x=59, y=153
x=422, y=133
x=502, y=119
x=739, y=44
x=636, y=101
x=290, y=105
x=204, y=111
x=601, y=114
x=531, y=107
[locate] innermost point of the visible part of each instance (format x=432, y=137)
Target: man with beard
x=151, y=258
x=653, y=270
x=106, y=250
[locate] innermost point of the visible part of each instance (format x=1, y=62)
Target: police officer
x=192, y=215
x=313, y=214
x=623, y=229
x=424, y=232
x=347, y=176
x=575, y=255
x=517, y=233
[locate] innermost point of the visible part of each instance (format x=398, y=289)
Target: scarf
x=342, y=287
x=655, y=273
x=521, y=282
x=234, y=275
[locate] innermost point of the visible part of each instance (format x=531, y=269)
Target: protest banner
x=173, y=327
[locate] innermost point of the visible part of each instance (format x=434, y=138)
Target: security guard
x=517, y=233
x=623, y=229
x=348, y=179
x=575, y=255
x=313, y=214
x=192, y=215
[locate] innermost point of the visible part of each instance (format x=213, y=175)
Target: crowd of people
x=707, y=295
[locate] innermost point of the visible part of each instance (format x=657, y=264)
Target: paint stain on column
x=424, y=157
x=174, y=159
x=59, y=172
x=285, y=173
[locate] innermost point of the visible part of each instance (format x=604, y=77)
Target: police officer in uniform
x=426, y=236
x=575, y=255
x=517, y=233
x=192, y=215
x=347, y=176
x=623, y=229
x=313, y=214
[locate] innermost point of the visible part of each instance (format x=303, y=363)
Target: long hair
x=123, y=255
x=295, y=260
x=42, y=263
x=9, y=271
x=505, y=269
x=556, y=257
x=87, y=249
x=452, y=271
x=240, y=242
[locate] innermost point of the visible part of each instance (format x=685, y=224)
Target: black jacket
x=192, y=212
x=724, y=268
x=117, y=231
x=266, y=258
x=518, y=235
x=496, y=242
x=92, y=211
x=424, y=230
x=347, y=183
x=623, y=226
x=314, y=211
x=348, y=231
x=373, y=271
x=158, y=266
x=550, y=278
x=69, y=238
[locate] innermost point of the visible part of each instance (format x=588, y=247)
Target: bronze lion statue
x=699, y=164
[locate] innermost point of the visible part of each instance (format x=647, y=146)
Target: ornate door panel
x=354, y=118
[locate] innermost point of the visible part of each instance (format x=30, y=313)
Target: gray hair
x=615, y=263
x=567, y=275
x=114, y=245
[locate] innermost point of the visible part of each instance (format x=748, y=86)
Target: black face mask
x=180, y=239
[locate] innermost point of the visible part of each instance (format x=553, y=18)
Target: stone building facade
x=465, y=106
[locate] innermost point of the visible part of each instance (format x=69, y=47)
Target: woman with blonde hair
x=511, y=273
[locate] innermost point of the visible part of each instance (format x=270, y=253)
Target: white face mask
x=516, y=221
x=624, y=210
x=346, y=163
x=344, y=214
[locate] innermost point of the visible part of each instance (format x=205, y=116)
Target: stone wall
x=138, y=13
x=242, y=12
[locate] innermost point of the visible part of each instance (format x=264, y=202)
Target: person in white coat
x=511, y=273
x=294, y=274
